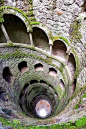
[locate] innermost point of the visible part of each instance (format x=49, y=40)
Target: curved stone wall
x=43, y=69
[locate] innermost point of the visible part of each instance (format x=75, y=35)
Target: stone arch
x=7, y=75
x=16, y=12
x=38, y=67
x=59, y=49
x=52, y=72
x=40, y=39
x=16, y=29
x=22, y=66
x=71, y=65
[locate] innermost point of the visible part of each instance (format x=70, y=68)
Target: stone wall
x=57, y=15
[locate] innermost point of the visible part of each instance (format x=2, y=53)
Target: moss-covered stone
x=1, y=2
x=1, y=17
x=75, y=33
x=16, y=9
x=30, y=1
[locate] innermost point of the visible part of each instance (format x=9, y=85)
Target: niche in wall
x=40, y=39
x=52, y=72
x=16, y=29
x=22, y=66
x=59, y=49
x=71, y=65
x=39, y=67
x=7, y=75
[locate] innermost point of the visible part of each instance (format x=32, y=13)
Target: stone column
x=50, y=43
x=5, y=33
x=31, y=39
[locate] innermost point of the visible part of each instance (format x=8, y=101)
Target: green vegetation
x=30, y=1
x=84, y=96
x=78, y=104
x=16, y=9
x=65, y=40
x=75, y=31
x=16, y=54
x=1, y=2
x=34, y=23
x=77, y=68
x=58, y=38
x=31, y=20
x=81, y=123
x=55, y=38
x=1, y=17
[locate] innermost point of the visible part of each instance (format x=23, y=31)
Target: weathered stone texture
x=70, y=10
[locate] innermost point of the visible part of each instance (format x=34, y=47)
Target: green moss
x=65, y=40
x=32, y=19
x=84, y=96
x=1, y=17
x=34, y=23
x=77, y=69
x=75, y=33
x=58, y=38
x=30, y=13
x=81, y=123
x=48, y=60
x=1, y=2
x=16, y=54
x=16, y=9
x=30, y=1
x=55, y=38
x=77, y=106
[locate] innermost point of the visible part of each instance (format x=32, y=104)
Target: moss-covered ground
x=79, y=124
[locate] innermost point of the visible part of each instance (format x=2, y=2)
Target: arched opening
x=71, y=65
x=25, y=87
x=21, y=95
x=62, y=85
x=73, y=86
x=33, y=81
x=39, y=67
x=52, y=72
x=22, y=66
x=16, y=29
x=59, y=49
x=2, y=94
x=42, y=81
x=7, y=75
x=40, y=39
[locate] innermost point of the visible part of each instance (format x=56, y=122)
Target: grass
x=79, y=124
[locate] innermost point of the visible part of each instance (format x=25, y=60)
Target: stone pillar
x=5, y=33
x=31, y=39
x=50, y=43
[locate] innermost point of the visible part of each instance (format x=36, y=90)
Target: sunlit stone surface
x=43, y=108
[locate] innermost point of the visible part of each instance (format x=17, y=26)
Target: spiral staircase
x=37, y=72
